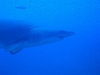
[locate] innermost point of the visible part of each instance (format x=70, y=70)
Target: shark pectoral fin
x=14, y=48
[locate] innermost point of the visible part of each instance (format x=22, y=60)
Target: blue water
x=75, y=55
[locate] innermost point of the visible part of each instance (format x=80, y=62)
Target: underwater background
x=75, y=55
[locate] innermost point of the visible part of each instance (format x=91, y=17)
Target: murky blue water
x=75, y=55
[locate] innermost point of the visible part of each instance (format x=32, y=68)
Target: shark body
x=16, y=35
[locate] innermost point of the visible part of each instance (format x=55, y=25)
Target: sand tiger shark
x=16, y=35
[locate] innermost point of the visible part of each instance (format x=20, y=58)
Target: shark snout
x=65, y=34
x=71, y=33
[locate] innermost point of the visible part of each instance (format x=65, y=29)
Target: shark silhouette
x=16, y=35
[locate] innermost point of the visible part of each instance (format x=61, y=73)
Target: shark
x=16, y=35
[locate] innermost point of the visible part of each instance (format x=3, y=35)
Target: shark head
x=44, y=36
